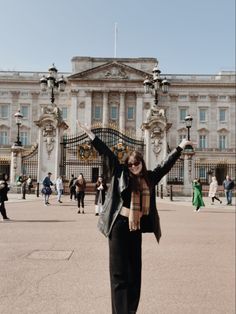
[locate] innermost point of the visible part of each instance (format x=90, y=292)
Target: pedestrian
x=29, y=184
x=23, y=186
x=4, y=188
x=130, y=201
x=59, y=188
x=197, y=195
x=72, y=187
x=47, y=191
x=213, y=190
x=80, y=185
x=100, y=188
x=228, y=185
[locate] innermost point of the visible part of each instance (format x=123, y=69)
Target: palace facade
x=109, y=92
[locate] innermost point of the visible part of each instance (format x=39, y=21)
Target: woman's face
x=135, y=166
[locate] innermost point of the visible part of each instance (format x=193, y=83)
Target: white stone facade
x=110, y=91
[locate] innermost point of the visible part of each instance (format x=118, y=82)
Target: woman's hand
x=185, y=142
x=86, y=129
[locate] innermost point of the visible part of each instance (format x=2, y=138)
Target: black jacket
x=119, y=183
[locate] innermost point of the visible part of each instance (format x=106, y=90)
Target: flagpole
x=115, y=43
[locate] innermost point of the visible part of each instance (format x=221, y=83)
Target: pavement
x=54, y=261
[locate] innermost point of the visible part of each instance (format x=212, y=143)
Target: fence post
x=37, y=191
x=157, y=190
x=161, y=190
x=171, y=193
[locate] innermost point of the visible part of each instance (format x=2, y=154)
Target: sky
x=186, y=36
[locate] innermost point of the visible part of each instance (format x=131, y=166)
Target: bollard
x=171, y=193
x=161, y=190
x=37, y=191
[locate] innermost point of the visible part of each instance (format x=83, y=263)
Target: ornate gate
x=79, y=156
x=30, y=163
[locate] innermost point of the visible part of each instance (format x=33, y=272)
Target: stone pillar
x=122, y=116
x=16, y=163
x=73, y=111
x=155, y=137
x=51, y=128
x=105, y=111
x=88, y=108
x=188, y=173
x=139, y=114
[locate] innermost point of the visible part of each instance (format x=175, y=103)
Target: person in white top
x=213, y=191
x=59, y=188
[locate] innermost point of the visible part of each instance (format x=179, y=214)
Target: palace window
x=64, y=112
x=202, y=141
x=24, y=138
x=202, y=115
x=24, y=109
x=222, y=115
x=182, y=114
x=130, y=113
x=202, y=172
x=4, y=111
x=97, y=112
x=4, y=138
x=114, y=112
x=222, y=142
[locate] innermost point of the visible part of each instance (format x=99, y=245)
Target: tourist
x=130, y=201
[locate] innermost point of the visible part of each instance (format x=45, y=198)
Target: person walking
x=72, y=187
x=197, y=195
x=228, y=185
x=80, y=186
x=23, y=186
x=59, y=188
x=29, y=184
x=101, y=189
x=4, y=188
x=130, y=202
x=213, y=190
x=47, y=191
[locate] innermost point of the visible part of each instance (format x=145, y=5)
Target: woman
x=59, y=188
x=197, y=195
x=80, y=186
x=100, y=188
x=3, y=195
x=213, y=190
x=130, y=198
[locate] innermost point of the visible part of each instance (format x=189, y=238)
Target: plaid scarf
x=140, y=202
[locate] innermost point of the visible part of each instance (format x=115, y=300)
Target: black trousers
x=80, y=198
x=3, y=210
x=125, y=256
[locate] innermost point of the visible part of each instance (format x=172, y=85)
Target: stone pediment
x=110, y=71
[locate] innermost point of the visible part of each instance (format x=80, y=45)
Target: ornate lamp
x=18, y=117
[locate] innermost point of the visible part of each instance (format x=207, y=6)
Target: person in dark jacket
x=228, y=185
x=80, y=187
x=100, y=188
x=47, y=191
x=4, y=188
x=131, y=198
x=72, y=187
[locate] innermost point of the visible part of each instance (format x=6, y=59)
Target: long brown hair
x=134, y=179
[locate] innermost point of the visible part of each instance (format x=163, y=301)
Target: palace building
x=109, y=93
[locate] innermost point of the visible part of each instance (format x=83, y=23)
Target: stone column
x=105, y=111
x=88, y=108
x=139, y=114
x=73, y=111
x=122, y=116
x=16, y=163
x=188, y=173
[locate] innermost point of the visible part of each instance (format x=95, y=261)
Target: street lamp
x=157, y=83
x=52, y=83
x=188, y=121
x=18, y=116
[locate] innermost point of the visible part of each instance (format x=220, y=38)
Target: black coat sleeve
x=161, y=170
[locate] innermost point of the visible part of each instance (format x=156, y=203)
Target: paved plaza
x=54, y=261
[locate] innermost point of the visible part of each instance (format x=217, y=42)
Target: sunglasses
x=136, y=163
